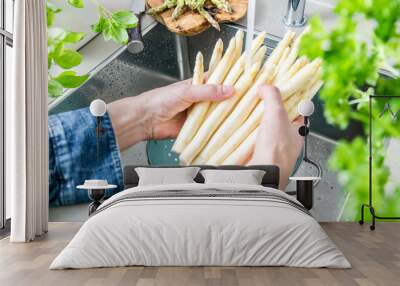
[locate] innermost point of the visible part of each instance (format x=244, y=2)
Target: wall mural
x=196, y=130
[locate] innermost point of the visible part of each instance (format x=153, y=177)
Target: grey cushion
x=166, y=176
x=248, y=177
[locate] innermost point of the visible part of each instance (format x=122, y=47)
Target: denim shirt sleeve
x=73, y=156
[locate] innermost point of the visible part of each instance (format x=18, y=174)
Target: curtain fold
x=26, y=124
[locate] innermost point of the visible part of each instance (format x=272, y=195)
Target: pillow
x=247, y=177
x=166, y=176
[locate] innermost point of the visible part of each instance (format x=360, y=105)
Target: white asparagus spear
x=198, y=73
x=235, y=72
x=291, y=57
x=232, y=77
x=243, y=152
x=283, y=58
x=237, y=137
x=216, y=56
x=299, y=80
x=237, y=116
x=245, y=129
x=198, y=79
x=313, y=90
x=309, y=94
x=287, y=64
x=259, y=55
x=239, y=43
x=239, y=66
x=300, y=62
x=214, y=119
x=277, y=53
x=214, y=61
x=246, y=147
x=198, y=111
x=224, y=65
x=258, y=52
x=258, y=42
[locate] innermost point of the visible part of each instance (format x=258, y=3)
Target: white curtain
x=26, y=124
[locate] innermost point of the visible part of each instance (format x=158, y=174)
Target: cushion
x=247, y=177
x=162, y=176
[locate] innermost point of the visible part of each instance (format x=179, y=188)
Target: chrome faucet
x=295, y=13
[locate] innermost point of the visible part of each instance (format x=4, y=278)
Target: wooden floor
x=375, y=257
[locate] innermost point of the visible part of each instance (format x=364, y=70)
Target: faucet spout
x=295, y=13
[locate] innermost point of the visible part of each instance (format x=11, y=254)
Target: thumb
x=208, y=92
x=270, y=95
x=273, y=103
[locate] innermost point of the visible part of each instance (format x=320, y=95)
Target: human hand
x=159, y=113
x=278, y=141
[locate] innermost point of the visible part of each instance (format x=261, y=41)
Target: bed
x=201, y=224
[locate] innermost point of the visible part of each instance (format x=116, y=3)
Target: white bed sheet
x=200, y=232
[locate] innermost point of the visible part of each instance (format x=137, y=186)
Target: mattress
x=201, y=225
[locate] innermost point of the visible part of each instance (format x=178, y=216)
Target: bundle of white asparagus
x=224, y=133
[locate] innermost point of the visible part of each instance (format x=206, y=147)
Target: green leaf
x=68, y=59
x=99, y=26
x=126, y=19
x=76, y=3
x=51, y=10
x=107, y=30
x=119, y=35
x=73, y=37
x=114, y=31
x=54, y=88
x=58, y=49
x=49, y=60
x=69, y=79
x=50, y=16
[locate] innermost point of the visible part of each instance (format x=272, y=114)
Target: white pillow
x=166, y=176
x=247, y=177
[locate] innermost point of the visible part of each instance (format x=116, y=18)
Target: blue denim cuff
x=74, y=157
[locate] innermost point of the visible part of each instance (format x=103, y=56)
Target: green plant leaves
x=125, y=19
x=99, y=26
x=54, y=88
x=69, y=79
x=73, y=37
x=68, y=59
x=351, y=71
x=114, y=26
x=112, y=31
x=66, y=79
x=76, y=3
x=51, y=11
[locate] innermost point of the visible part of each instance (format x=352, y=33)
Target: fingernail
x=227, y=90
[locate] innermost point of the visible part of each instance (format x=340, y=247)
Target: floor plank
x=375, y=257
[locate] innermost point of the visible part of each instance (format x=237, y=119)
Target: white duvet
x=202, y=231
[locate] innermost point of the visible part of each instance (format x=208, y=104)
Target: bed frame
x=271, y=178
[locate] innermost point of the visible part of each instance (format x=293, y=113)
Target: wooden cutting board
x=191, y=23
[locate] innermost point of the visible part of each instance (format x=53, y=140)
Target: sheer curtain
x=26, y=124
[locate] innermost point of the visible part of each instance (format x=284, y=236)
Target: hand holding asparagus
x=225, y=132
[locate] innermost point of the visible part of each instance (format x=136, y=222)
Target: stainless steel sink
x=168, y=58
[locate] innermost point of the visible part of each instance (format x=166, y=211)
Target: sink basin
x=168, y=58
